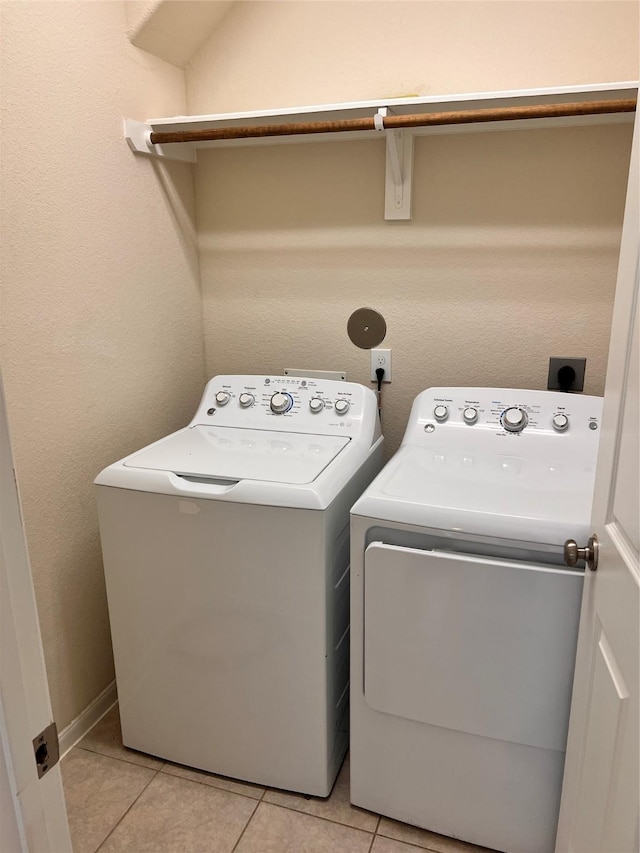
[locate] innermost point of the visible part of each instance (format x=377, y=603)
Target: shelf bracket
x=399, y=170
x=137, y=134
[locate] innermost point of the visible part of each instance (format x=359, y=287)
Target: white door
x=32, y=810
x=599, y=810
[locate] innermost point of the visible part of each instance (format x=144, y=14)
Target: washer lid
x=228, y=453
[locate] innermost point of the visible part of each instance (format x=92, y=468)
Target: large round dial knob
x=560, y=422
x=316, y=405
x=470, y=415
x=281, y=403
x=441, y=413
x=342, y=407
x=246, y=400
x=222, y=398
x=514, y=419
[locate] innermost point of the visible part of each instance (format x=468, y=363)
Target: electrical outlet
x=556, y=364
x=381, y=358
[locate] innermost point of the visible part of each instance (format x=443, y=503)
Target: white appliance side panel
x=220, y=634
x=481, y=646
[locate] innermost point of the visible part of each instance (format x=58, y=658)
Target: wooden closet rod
x=394, y=122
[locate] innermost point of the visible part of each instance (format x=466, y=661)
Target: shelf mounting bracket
x=399, y=169
x=137, y=134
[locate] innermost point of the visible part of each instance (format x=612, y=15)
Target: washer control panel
x=506, y=412
x=286, y=403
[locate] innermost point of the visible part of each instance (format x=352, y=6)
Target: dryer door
x=474, y=644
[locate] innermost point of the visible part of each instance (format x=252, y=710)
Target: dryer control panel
x=498, y=462
x=508, y=413
x=288, y=404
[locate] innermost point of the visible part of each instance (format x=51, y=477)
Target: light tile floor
x=120, y=800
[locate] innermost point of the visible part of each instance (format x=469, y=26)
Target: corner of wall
x=172, y=30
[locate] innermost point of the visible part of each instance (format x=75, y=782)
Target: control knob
x=316, y=405
x=280, y=403
x=441, y=413
x=514, y=419
x=560, y=422
x=246, y=400
x=222, y=398
x=342, y=407
x=470, y=415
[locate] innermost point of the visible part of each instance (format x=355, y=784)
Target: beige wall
x=267, y=54
x=510, y=258
x=511, y=255
x=101, y=333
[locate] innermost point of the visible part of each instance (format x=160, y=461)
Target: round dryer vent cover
x=366, y=328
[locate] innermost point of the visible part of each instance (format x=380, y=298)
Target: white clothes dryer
x=226, y=555
x=464, y=620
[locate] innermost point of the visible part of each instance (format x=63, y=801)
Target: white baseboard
x=94, y=711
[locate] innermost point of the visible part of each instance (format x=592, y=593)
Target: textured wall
x=101, y=332
x=510, y=258
x=268, y=54
x=511, y=255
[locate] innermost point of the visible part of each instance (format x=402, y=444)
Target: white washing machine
x=226, y=554
x=464, y=621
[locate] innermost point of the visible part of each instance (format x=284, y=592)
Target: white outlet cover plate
x=380, y=358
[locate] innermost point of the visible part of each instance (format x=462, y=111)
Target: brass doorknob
x=589, y=554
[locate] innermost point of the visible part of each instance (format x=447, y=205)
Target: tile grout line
x=421, y=847
x=411, y=844
x=113, y=828
x=115, y=758
x=246, y=826
x=214, y=787
x=321, y=817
